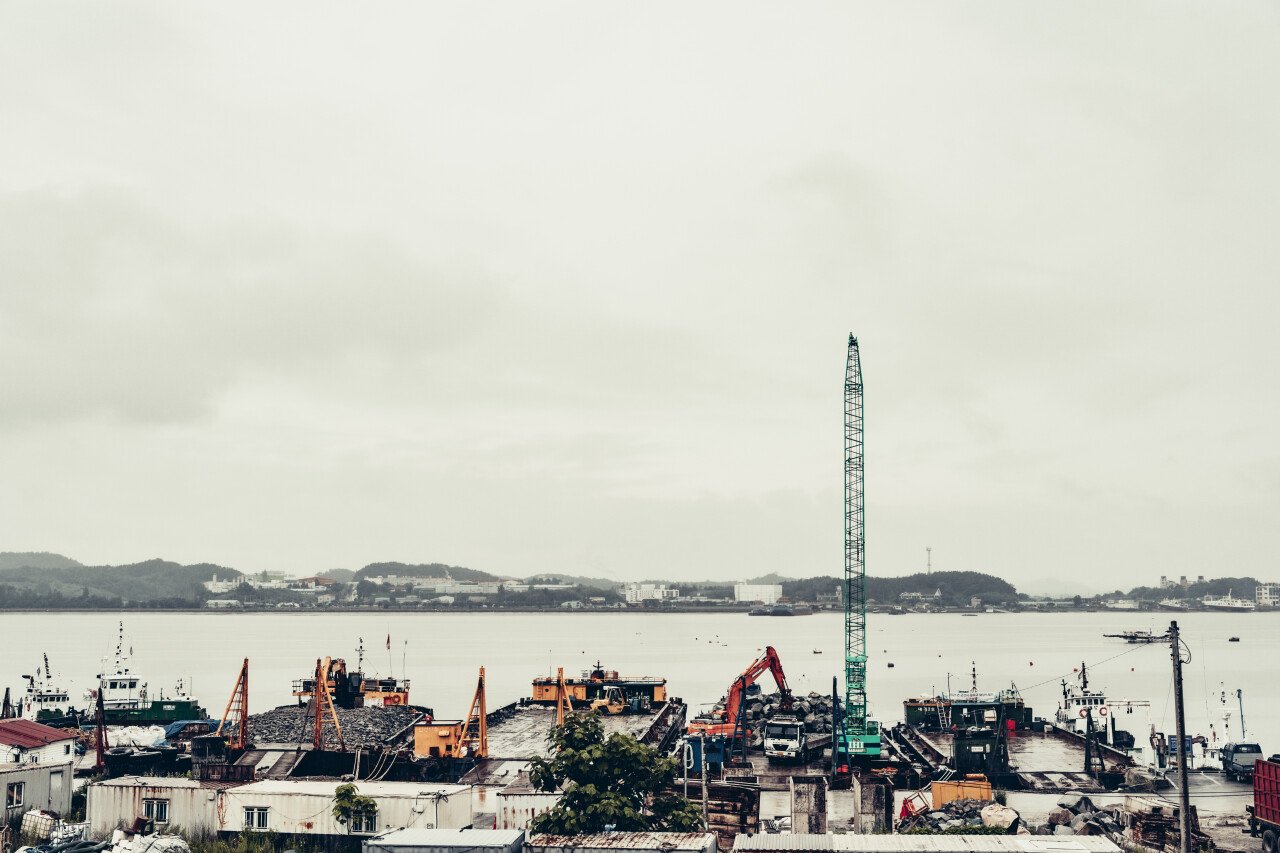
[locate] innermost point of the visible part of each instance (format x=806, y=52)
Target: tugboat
x=1084, y=712
x=125, y=698
x=47, y=703
x=965, y=708
x=642, y=693
x=354, y=689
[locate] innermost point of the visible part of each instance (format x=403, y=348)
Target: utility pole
x=1179, y=711
x=702, y=751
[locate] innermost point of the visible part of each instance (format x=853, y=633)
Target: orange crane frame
x=475, y=731
x=564, y=705
x=728, y=718
x=322, y=698
x=238, y=705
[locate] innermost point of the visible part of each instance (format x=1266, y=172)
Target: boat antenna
x=973, y=675
x=1084, y=676
x=360, y=655
x=1240, y=699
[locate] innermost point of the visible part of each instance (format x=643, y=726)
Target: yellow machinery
x=612, y=703
x=467, y=738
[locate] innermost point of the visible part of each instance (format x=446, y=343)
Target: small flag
x=388, y=642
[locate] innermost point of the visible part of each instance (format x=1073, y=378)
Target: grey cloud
x=110, y=308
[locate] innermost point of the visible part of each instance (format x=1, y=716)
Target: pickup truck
x=786, y=740
x=1238, y=759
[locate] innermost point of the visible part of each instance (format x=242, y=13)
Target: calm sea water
x=698, y=653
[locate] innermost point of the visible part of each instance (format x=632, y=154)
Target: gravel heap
x=361, y=727
x=960, y=816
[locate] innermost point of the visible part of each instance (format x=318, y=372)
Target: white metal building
x=168, y=800
x=765, y=593
x=306, y=807
x=636, y=593
x=287, y=806
x=35, y=786
x=29, y=742
x=520, y=802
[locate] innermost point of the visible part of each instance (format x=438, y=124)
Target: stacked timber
x=733, y=807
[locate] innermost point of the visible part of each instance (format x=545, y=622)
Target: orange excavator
x=730, y=722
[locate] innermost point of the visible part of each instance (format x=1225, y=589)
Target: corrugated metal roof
x=368, y=789
x=626, y=841
x=25, y=734
x=416, y=837
x=801, y=843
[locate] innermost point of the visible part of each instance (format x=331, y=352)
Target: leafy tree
x=348, y=801
x=618, y=782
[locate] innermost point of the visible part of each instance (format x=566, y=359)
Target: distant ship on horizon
x=1228, y=603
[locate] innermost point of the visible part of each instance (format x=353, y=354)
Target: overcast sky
x=566, y=287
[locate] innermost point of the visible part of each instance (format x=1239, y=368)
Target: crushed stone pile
x=814, y=709
x=960, y=816
x=361, y=727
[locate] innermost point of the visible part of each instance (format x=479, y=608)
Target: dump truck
x=1264, y=814
x=785, y=739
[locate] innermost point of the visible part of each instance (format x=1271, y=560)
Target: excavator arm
x=767, y=661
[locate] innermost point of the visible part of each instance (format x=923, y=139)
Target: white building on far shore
x=637, y=593
x=765, y=593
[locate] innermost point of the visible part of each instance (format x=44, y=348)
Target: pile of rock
x=960, y=816
x=1077, y=815
x=814, y=709
x=362, y=728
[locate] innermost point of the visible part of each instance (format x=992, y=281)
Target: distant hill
x=1239, y=587
x=36, y=560
x=424, y=570
x=339, y=575
x=772, y=577
x=157, y=583
x=576, y=580
x=956, y=587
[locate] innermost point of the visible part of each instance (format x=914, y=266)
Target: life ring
x=1084, y=712
x=1102, y=712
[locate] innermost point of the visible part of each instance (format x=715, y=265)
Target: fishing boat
x=47, y=702
x=126, y=698
x=1228, y=603
x=1091, y=712
x=1140, y=637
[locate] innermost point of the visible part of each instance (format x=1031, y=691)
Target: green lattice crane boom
x=861, y=735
